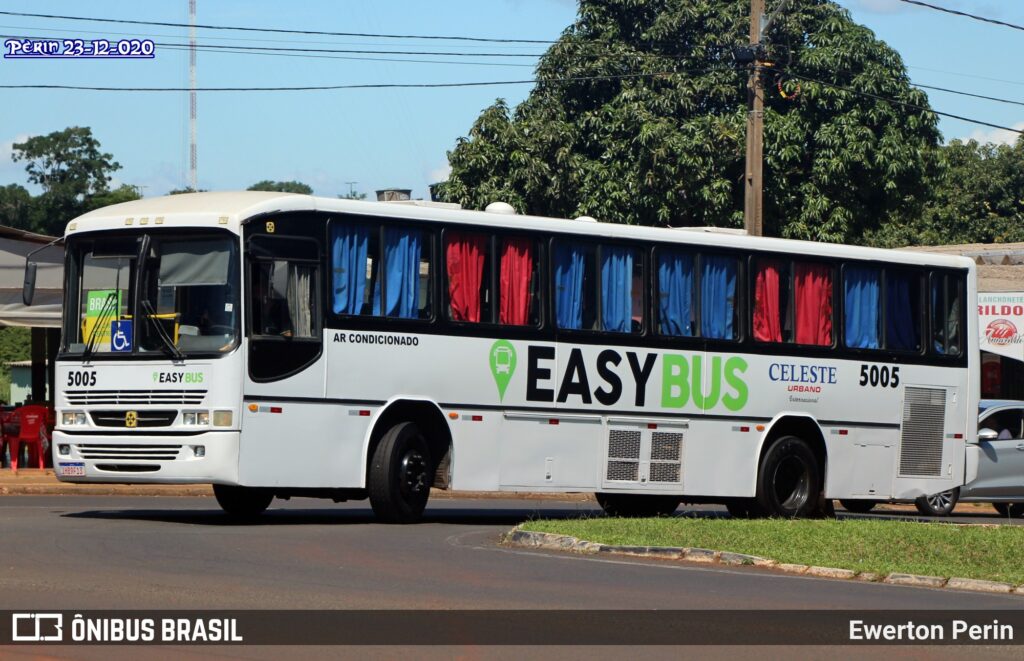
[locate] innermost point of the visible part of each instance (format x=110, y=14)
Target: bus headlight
x=222, y=418
x=194, y=418
x=72, y=418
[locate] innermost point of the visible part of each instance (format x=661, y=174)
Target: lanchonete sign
x=1001, y=323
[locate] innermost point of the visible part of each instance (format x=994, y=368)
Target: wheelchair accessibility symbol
x=120, y=336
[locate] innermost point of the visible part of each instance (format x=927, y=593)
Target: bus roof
x=230, y=209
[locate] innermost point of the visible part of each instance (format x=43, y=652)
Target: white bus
x=280, y=345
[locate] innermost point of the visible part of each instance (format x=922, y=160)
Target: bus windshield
x=188, y=295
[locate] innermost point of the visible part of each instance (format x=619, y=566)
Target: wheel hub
x=412, y=476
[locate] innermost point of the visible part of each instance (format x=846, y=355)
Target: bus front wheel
x=789, y=480
x=242, y=501
x=631, y=505
x=401, y=474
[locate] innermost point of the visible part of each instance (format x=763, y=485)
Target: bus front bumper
x=210, y=457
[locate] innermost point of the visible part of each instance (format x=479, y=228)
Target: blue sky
x=386, y=138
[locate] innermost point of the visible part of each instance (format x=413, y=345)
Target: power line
x=308, y=88
x=279, y=30
x=962, y=93
x=905, y=104
x=956, y=12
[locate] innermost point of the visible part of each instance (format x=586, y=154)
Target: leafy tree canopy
x=282, y=187
x=977, y=196
x=639, y=117
x=72, y=171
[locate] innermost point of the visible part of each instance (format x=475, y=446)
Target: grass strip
x=883, y=547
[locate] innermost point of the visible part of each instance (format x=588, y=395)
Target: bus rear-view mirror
x=28, y=288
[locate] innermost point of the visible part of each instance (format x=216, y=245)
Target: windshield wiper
x=109, y=306
x=161, y=331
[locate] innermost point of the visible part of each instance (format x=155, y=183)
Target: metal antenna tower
x=192, y=173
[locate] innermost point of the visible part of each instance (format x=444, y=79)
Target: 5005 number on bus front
x=81, y=378
x=880, y=376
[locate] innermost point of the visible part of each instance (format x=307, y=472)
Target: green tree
x=16, y=206
x=667, y=147
x=186, y=190
x=352, y=196
x=123, y=193
x=282, y=187
x=70, y=168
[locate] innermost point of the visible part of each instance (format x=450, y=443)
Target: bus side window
x=354, y=250
x=517, y=281
x=621, y=293
x=902, y=303
x=575, y=284
x=676, y=309
x=406, y=267
x=812, y=291
x=772, y=301
x=467, y=263
x=718, y=297
x=862, y=307
x=947, y=308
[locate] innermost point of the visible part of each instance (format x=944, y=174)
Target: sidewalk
x=36, y=482
x=42, y=482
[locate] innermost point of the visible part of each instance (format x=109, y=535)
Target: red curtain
x=813, y=292
x=515, y=280
x=767, y=315
x=464, y=255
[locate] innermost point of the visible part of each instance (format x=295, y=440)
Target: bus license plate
x=71, y=470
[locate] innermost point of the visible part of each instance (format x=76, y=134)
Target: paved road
x=120, y=552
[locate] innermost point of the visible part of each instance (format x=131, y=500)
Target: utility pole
x=754, y=174
x=351, y=189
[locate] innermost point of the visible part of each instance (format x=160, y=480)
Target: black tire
x=628, y=505
x=1010, y=510
x=744, y=508
x=939, y=504
x=242, y=502
x=858, y=506
x=789, y=480
x=401, y=473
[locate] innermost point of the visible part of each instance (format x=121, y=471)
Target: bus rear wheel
x=629, y=505
x=789, y=480
x=244, y=502
x=401, y=474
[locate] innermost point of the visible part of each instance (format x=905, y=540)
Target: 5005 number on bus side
x=880, y=376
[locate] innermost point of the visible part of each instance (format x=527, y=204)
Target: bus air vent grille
x=623, y=455
x=666, y=455
x=133, y=397
x=133, y=452
x=924, y=414
x=624, y=444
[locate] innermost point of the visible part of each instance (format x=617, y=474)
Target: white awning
x=45, y=311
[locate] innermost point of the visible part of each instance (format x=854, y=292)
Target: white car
x=1000, y=479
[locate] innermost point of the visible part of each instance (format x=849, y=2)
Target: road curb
x=551, y=542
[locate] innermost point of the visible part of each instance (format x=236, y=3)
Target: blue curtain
x=569, y=265
x=718, y=297
x=675, y=293
x=348, y=261
x=862, y=287
x=900, y=331
x=401, y=273
x=617, y=289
